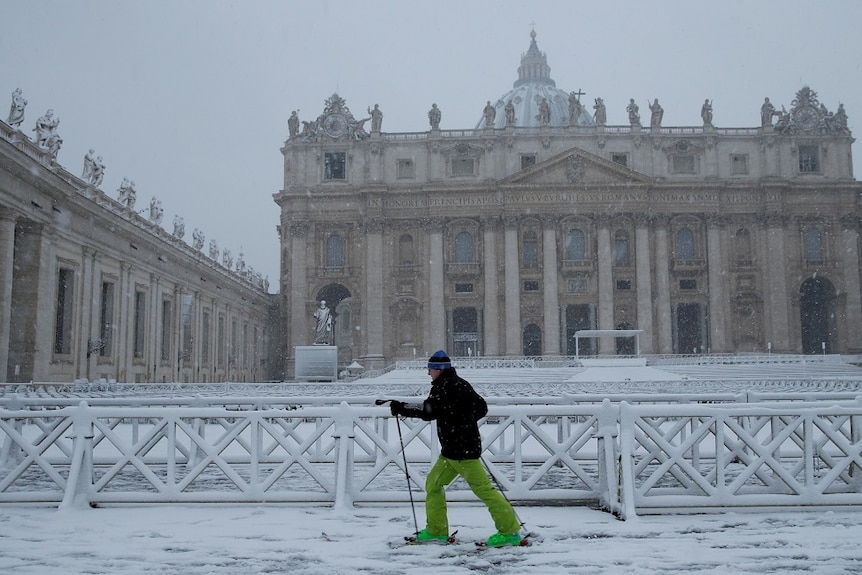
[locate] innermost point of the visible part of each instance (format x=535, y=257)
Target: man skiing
x=457, y=408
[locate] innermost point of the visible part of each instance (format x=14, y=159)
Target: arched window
x=742, y=246
x=621, y=248
x=464, y=248
x=334, y=251
x=405, y=250
x=576, y=245
x=531, y=249
x=813, y=245
x=685, y=245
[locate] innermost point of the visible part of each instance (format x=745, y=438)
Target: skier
x=457, y=408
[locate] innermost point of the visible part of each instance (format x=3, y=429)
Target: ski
x=526, y=541
x=411, y=540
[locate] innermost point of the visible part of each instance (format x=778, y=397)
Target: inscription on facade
x=570, y=198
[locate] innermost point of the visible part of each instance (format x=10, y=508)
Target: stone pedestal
x=316, y=362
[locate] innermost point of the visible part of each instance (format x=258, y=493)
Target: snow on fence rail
x=627, y=458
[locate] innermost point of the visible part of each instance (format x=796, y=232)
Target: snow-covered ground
x=319, y=540
x=246, y=539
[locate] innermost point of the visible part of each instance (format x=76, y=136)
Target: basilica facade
x=507, y=238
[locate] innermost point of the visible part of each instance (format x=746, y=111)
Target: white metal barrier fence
x=628, y=459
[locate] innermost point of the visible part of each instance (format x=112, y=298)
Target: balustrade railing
x=629, y=459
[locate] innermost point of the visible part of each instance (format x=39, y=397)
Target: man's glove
x=396, y=407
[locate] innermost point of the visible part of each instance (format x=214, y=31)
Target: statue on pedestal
x=16, y=110
x=323, y=329
x=434, y=116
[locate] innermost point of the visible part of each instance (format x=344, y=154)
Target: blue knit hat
x=439, y=360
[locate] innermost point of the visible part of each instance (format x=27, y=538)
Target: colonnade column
x=550, y=285
x=86, y=321
x=718, y=310
x=513, y=289
x=644, y=284
x=298, y=286
x=7, y=264
x=850, y=261
x=153, y=352
x=491, y=323
x=777, y=304
x=46, y=306
x=662, y=299
x=374, y=293
x=436, y=312
x=125, y=321
x=606, y=284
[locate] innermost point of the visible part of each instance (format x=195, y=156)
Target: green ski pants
x=443, y=473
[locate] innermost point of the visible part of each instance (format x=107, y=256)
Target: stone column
x=662, y=297
x=550, y=286
x=718, y=308
x=851, y=264
x=299, y=331
x=492, y=308
x=777, y=303
x=7, y=261
x=605, y=284
x=153, y=353
x=125, y=322
x=512, y=287
x=46, y=306
x=87, y=298
x=436, y=311
x=644, y=284
x=374, y=293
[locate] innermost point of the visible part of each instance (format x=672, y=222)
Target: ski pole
x=404, y=457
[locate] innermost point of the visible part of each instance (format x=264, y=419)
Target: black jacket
x=457, y=408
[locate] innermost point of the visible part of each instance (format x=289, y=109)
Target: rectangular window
x=463, y=288
x=140, y=323
x=165, y=348
x=65, y=299
x=334, y=166
x=738, y=164
x=527, y=160
x=463, y=167
x=531, y=285
x=621, y=159
x=106, y=319
x=624, y=284
x=683, y=164
x=406, y=169
x=688, y=284
x=809, y=159
x=577, y=285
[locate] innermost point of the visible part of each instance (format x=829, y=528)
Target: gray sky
x=190, y=98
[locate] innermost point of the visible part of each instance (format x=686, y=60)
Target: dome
x=534, y=84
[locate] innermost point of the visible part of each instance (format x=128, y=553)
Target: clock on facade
x=335, y=125
x=806, y=118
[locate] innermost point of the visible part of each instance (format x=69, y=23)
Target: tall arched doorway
x=532, y=343
x=816, y=314
x=337, y=298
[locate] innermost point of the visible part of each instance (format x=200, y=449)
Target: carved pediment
x=463, y=150
x=576, y=166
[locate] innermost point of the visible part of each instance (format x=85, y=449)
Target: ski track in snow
x=234, y=539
